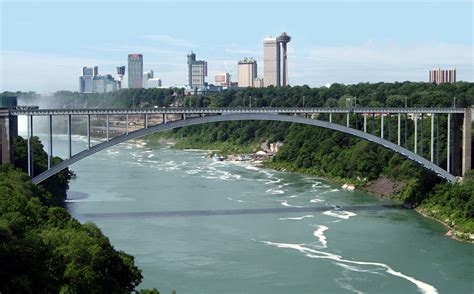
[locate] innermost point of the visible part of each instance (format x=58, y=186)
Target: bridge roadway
x=225, y=110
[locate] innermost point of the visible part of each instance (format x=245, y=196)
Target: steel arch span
x=245, y=117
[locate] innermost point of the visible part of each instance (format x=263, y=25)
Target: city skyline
x=338, y=42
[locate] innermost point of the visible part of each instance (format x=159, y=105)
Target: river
x=199, y=226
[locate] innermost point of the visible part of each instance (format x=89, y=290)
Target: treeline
x=42, y=248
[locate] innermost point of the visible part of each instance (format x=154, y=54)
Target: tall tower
x=120, y=73
x=283, y=39
x=191, y=60
x=271, y=62
x=135, y=70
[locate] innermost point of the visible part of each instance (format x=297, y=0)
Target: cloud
x=171, y=41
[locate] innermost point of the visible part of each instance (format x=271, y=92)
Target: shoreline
x=451, y=233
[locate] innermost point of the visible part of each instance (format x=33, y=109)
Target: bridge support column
x=6, y=150
x=381, y=126
x=165, y=119
x=432, y=137
x=448, y=154
x=88, y=131
x=398, y=129
x=330, y=117
x=183, y=116
x=466, y=142
x=50, y=143
x=107, y=127
x=347, y=119
x=416, y=133
x=145, y=119
x=30, y=150
x=365, y=123
x=126, y=124
x=69, y=134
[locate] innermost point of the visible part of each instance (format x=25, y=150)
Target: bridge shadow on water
x=217, y=212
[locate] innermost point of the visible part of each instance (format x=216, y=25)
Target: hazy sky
x=45, y=44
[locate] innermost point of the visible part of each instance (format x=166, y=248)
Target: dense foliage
x=453, y=204
x=58, y=184
x=44, y=250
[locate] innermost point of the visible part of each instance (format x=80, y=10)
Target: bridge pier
x=416, y=133
x=126, y=124
x=6, y=150
x=365, y=123
x=432, y=138
x=381, y=126
x=145, y=119
x=88, y=131
x=107, y=126
x=29, y=149
x=398, y=129
x=50, y=143
x=466, y=141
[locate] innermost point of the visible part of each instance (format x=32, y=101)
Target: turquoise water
x=199, y=226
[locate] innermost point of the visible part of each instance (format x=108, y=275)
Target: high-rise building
x=135, y=70
x=197, y=71
x=275, y=66
x=440, y=76
x=247, y=72
x=103, y=84
x=85, y=81
x=223, y=79
x=271, y=62
x=146, y=76
x=120, y=73
x=258, y=83
x=154, y=83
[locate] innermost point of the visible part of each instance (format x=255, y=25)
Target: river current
x=199, y=226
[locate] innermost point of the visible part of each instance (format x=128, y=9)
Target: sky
x=44, y=45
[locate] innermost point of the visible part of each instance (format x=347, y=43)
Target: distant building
x=197, y=71
x=223, y=79
x=440, y=76
x=154, y=83
x=135, y=70
x=120, y=73
x=258, y=83
x=247, y=72
x=275, y=66
x=146, y=76
x=103, y=84
x=271, y=62
x=85, y=81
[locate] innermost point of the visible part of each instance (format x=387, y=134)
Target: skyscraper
x=85, y=81
x=440, y=76
x=271, y=62
x=197, y=71
x=275, y=67
x=135, y=70
x=247, y=72
x=147, y=76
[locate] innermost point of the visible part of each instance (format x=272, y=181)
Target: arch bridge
x=124, y=128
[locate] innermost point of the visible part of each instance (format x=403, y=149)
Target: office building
x=247, y=72
x=275, y=60
x=146, y=76
x=135, y=71
x=258, y=83
x=85, y=81
x=104, y=84
x=197, y=71
x=271, y=62
x=440, y=76
x=154, y=83
x=223, y=79
x=120, y=73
